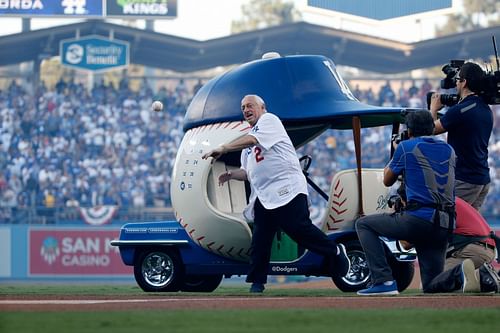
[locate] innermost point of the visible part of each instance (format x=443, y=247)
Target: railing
x=71, y=215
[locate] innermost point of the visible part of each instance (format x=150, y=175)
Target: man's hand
x=236, y=145
x=394, y=144
x=436, y=104
x=406, y=245
x=215, y=154
x=225, y=177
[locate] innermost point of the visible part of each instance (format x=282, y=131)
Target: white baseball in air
x=157, y=106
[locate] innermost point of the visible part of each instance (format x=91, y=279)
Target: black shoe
x=257, y=287
x=489, y=279
x=341, y=263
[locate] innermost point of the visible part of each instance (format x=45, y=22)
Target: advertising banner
x=381, y=9
x=70, y=252
x=141, y=8
x=94, y=53
x=5, y=252
x=62, y=8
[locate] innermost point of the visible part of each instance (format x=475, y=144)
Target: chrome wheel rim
x=158, y=269
x=359, y=273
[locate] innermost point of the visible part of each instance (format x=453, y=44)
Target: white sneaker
x=470, y=280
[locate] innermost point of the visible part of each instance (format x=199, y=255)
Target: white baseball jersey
x=272, y=166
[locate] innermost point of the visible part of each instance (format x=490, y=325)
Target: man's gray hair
x=257, y=98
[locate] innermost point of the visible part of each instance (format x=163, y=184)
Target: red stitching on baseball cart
x=245, y=129
x=199, y=239
x=339, y=203
x=337, y=195
x=237, y=125
x=339, y=212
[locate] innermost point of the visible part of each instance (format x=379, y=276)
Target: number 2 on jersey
x=258, y=154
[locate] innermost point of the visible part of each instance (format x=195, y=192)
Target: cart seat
x=230, y=198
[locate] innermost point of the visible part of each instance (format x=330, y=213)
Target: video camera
x=398, y=137
x=398, y=200
x=490, y=88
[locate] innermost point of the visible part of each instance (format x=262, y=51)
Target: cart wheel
x=158, y=270
x=201, y=283
x=358, y=276
x=403, y=272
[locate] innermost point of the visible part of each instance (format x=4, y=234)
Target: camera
x=451, y=70
x=398, y=200
x=446, y=99
x=396, y=203
x=489, y=88
x=397, y=138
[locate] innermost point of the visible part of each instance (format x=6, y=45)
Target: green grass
x=133, y=290
x=234, y=320
x=70, y=289
x=290, y=321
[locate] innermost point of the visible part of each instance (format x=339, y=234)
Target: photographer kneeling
x=428, y=168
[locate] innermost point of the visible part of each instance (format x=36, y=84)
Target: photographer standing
x=428, y=168
x=469, y=125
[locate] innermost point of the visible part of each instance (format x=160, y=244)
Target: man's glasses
x=459, y=79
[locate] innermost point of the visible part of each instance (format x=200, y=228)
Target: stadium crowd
x=71, y=146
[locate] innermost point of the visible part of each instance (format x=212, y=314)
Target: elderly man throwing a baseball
x=269, y=162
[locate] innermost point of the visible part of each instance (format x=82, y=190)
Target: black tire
x=201, y=283
x=403, y=272
x=159, y=270
x=358, y=276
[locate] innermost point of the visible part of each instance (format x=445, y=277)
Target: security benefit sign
x=141, y=8
x=74, y=252
x=94, y=53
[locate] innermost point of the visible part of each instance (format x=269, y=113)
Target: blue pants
x=293, y=218
x=430, y=242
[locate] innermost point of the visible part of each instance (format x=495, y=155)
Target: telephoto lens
x=446, y=99
x=449, y=99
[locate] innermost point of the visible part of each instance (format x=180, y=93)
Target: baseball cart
x=210, y=238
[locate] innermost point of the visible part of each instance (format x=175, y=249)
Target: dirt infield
x=146, y=301
x=118, y=303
